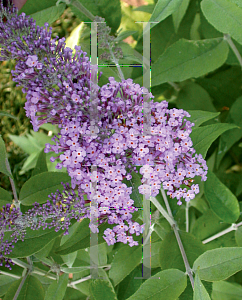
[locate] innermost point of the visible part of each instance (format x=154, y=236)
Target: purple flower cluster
x=58, y=87
x=12, y=229
x=56, y=82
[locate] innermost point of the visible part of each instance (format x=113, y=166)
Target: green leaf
x=80, y=239
x=31, y=6
x=203, y=137
x=186, y=59
x=32, y=289
x=169, y=285
x=198, y=117
x=179, y=13
x=37, y=188
x=5, y=114
x=3, y=157
x=224, y=290
x=124, y=262
x=200, y=293
x=193, y=96
x=30, y=162
x=225, y=16
x=238, y=236
x=223, y=86
x=34, y=241
x=5, y=283
x=219, y=264
x=5, y=197
x=48, y=15
x=229, y=138
x=124, y=35
x=172, y=259
x=57, y=289
x=130, y=285
x=208, y=225
x=102, y=289
x=163, y=9
x=41, y=165
x=110, y=10
x=74, y=37
x=221, y=200
x=145, y=8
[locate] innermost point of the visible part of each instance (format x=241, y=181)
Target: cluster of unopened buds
x=58, y=87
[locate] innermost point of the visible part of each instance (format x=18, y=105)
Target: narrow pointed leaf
x=3, y=156
x=32, y=289
x=225, y=16
x=219, y=264
x=169, y=285
x=57, y=289
x=187, y=59
x=221, y=200
x=203, y=137
x=200, y=293
x=38, y=187
x=102, y=289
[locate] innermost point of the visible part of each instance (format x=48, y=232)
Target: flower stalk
x=178, y=238
x=217, y=235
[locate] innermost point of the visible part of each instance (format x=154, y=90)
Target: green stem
x=178, y=238
x=83, y=9
x=217, y=235
x=162, y=211
x=10, y=274
x=233, y=47
x=116, y=63
x=16, y=201
x=187, y=216
x=21, y=285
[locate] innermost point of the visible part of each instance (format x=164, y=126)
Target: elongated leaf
x=229, y=138
x=225, y=16
x=5, y=197
x=34, y=241
x=124, y=262
x=130, y=284
x=193, y=96
x=186, y=59
x=238, y=236
x=219, y=264
x=37, y=188
x=224, y=290
x=179, y=13
x=110, y=10
x=57, y=289
x=102, y=289
x=31, y=6
x=81, y=238
x=41, y=165
x=200, y=293
x=163, y=9
x=32, y=289
x=169, y=285
x=203, y=137
x=3, y=156
x=172, y=259
x=5, y=283
x=48, y=15
x=222, y=201
x=198, y=117
x=5, y=114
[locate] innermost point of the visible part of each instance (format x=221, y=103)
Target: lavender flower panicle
x=45, y=68
x=58, y=89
